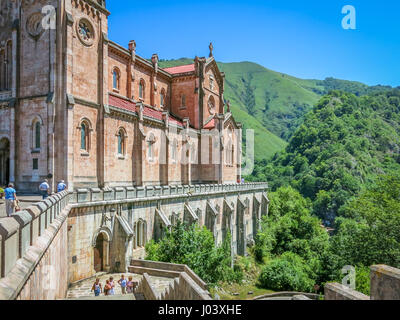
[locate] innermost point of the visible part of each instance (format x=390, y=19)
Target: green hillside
x=272, y=103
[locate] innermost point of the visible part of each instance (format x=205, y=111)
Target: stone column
x=385, y=283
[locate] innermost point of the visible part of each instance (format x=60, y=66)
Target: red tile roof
x=210, y=124
x=147, y=111
x=180, y=69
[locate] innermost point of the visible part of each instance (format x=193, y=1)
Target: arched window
x=116, y=78
x=183, y=101
x=2, y=70
x=140, y=234
x=37, y=135
x=162, y=99
x=141, y=89
x=9, y=66
x=174, y=219
x=121, y=142
x=85, y=141
x=151, y=140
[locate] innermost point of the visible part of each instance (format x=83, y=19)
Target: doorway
x=4, y=162
x=101, y=253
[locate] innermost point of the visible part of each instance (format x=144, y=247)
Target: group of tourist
x=127, y=286
x=12, y=202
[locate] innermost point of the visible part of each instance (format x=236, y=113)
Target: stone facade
x=86, y=110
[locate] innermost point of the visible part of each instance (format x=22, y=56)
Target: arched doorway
x=100, y=253
x=4, y=161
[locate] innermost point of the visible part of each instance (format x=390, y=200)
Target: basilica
x=76, y=106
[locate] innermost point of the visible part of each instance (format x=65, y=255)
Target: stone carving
x=34, y=25
x=211, y=107
x=5, y=9
x=85, y=32
x=211, y=47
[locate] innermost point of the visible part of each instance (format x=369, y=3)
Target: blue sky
x=303, y=38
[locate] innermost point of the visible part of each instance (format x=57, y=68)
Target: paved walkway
x=83, y=289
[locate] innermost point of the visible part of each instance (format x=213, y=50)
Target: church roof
x=180, y=69
x=147, y=111
x=210, y=124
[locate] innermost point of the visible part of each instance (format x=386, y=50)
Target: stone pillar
x=69, y=128
x=385, y=283
x=51, y=112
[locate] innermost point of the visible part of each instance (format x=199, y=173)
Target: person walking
x=130, y=285
x=44, y=189
x=123, y=283
x=107, y=288
x=97, y=288
x=61, y=186
x=11, y=199
x=112, y=285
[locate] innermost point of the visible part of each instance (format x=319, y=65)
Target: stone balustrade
x=187, y=285
x=23, y=229
x=94, y=195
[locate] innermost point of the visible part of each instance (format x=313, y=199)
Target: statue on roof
x=211, y=47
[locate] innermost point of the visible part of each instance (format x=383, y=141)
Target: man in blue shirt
x=11, y=199
x=61, y=186
x=44, y=189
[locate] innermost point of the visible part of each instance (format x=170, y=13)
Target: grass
x=247, y=289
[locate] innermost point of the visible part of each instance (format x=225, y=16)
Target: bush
x=287, y=273
x=363, y=280
x=195, y=247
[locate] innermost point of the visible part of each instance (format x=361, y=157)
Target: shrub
x=287, y=273
x=195, y=247
x=363, y=280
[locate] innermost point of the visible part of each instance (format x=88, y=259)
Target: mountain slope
x=344, y=144
x=273, y=103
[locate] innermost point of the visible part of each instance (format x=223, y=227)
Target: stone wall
x=72, y=236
